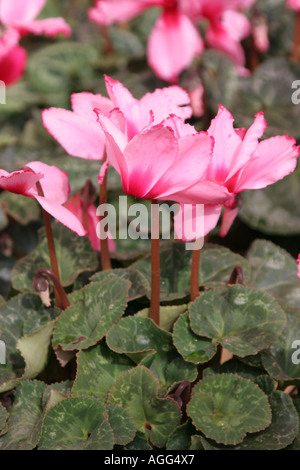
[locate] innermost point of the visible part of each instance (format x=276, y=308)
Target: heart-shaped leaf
x=243, y=320
x=98, y=306
x=77, y=424
x=144, y=342
x=192, y=347
x=98, y=368
x=279, y=435
x=136, y=392
x=226, y=407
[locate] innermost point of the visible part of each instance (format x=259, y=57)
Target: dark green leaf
x=219, y=409
x=243, y=320
x=136, y=392
x=98, y=306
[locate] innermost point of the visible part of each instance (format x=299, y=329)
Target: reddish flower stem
x=104, y=250
x=155, y=263
x=51, y=245
x=195, y=267
x=295, y=50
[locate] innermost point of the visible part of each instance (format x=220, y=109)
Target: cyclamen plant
x=147, y=346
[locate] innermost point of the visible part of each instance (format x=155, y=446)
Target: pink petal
x=117, y=118
x=213, y=9
x=225, y=35
x=84, y=104
x=293, y=4
x=116, y=143
x=203, y=192
x=62, y=214
x=119, y=95
x=79, y=136
x=8, y=41
x=108, y=12
x=204, y=220
x=226, y=144
x=179, y=128
x=277, y=157
x=75, y=205
x=19, y=182
x=148, y=157
x=92, y=232
x=197, y=100
x=260, y=33
x=236, y=24
x=50, y=27
x=172, y=45
x=249, y=144
x=23, y=11
x=163, y=102
x=128, y=105
x=55, y=183
x=12, y=65
x=228, y=218
x=233, y=148
x=195, y=153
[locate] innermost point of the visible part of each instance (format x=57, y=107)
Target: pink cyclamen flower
x=174, y=40
x=227, y=27
x=293, y=4
x=80, y=135
x=75, y=205
x=241, y=162
x=55, y=186
x=12, y=65
x=13, y=57
x=162, y=163
x=21, y=16
x=17, y=19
